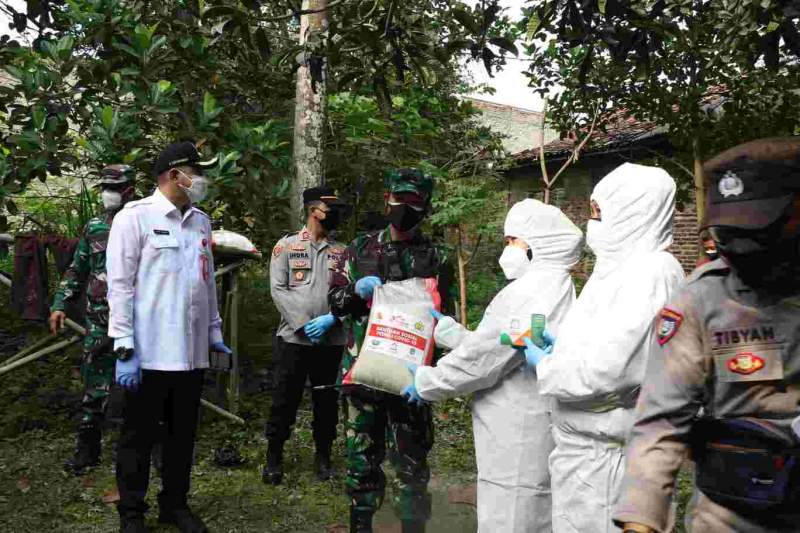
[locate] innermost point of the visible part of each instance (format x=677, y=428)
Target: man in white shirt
x=164, y=320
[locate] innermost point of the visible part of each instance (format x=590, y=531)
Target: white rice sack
x=226, y=242
x=399, y=331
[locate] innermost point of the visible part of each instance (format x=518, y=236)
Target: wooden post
x=462, y=275
x=233, y=380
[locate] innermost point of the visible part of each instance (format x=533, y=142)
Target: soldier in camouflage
x=395, y=253
x=88, y=272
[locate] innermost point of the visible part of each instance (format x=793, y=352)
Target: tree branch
x=577, y=150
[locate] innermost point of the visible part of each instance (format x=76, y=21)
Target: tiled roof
x=619, y=130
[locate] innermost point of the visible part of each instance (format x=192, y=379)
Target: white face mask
x=514, y=262
x=596, y=237
x=198, y=189
x=111, y=200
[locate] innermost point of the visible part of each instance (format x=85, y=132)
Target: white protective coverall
x=510, y=420
x=600, y=353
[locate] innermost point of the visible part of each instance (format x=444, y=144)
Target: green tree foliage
x=714, y=72
x=111, y=80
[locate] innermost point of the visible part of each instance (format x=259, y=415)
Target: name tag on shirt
x=161, y=231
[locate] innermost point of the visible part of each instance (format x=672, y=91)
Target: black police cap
x=321, y=194
x=751, y=185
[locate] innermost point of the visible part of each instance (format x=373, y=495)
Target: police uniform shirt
x=299, y=274
x=725, y=349
x=161, y=290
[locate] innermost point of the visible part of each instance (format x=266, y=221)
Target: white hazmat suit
x=510, y=420
x=600, y=353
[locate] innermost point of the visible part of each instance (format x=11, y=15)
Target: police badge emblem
x=668, y=324
x=730, y=185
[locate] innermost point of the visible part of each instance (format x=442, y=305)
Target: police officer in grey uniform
x=310, y=338
x=725, y=384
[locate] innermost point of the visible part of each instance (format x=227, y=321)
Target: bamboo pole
x=41, y=353
x=25, y=351
x=220, y=411
x=80, y=329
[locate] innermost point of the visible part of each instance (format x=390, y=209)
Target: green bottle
x=537, y=329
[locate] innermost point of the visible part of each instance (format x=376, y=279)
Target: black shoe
x=360, y=521
x=322, y=466
x=133, y=524
x=273, y=472
x=413, y=526
x=87, y=450
x=185, y=520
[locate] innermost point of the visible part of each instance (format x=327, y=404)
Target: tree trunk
x=699, y=186
x=309, y=111
x=462, y=277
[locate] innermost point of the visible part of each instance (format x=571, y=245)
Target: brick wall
x=686, y=244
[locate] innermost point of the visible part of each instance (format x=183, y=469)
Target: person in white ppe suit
x=597, y=362
x=511, y=421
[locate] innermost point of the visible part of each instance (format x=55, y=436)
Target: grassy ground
x=38, y=409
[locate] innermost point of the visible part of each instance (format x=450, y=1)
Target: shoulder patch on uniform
x=276, y=251
x=668, y=323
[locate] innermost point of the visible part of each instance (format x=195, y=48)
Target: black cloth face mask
x=332, y=220
x=763, y=259
x=404, y=217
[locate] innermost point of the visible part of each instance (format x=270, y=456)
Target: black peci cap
x=180, y=154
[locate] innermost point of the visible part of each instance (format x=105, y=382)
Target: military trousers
x=294, y=363
x=97, y=373
x=376, y=420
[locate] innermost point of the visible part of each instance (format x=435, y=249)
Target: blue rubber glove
x=436, y=314
x=366, y=286
x=317, y=327
x=128, y=373
x=220, y=347
x=410, y=393
x=535, y=354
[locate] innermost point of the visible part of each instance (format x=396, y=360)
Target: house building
x=624, y=139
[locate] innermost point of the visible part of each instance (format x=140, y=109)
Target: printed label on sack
x=397, y=335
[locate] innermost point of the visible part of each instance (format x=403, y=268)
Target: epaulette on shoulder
x=718, y=267
x=137, y=203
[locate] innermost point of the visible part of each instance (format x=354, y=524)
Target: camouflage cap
x=409, y=180
x=116, y=175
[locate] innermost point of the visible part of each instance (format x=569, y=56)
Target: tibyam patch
x=668, y=323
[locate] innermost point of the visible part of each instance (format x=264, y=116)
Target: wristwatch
x=123, y=354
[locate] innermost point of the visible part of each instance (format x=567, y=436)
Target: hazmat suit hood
x=555, y=242
x=637, y=205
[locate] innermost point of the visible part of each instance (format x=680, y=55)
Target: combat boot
x=322, y=463
x=413, y=526
x=132, y=524
x=273, y=472
x=360, y=521
x=87, y=450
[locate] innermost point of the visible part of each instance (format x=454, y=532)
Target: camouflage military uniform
x=375, y=417
x=88, y=269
